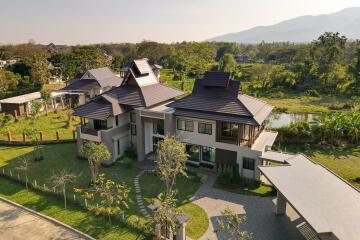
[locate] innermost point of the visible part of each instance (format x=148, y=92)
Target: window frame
x=184, y=127
x=211, y=149
x=133, y=129
x=205, y=128
x=132, y=117
x=247, y=163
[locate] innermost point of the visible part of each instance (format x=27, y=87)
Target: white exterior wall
x=210, y=141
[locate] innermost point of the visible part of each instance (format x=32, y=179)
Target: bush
x=297, y=132
x=278, y=94
x=312, y=93
x=127, y=162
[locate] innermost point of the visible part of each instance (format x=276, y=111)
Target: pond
x=276, y=120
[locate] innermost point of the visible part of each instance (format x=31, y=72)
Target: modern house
x=91, y=84
x=220, y=125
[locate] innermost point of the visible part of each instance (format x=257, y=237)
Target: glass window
x=118, y=146
x=229, y=130
x=205, y=128
x=185, y=125
x=158, y=127
x=193, y=151
x=208, y=154
x=133, y=117
x=180, y=124
x=248, y=163
x=133, y=129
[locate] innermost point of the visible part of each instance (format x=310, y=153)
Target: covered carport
x=328, y=204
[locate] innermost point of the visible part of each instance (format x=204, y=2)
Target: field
x=60, y=156
x=48, y=124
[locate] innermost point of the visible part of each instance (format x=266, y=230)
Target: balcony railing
x=89, y=131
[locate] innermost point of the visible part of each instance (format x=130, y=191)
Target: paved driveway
x=18, y=224
x=259, y=211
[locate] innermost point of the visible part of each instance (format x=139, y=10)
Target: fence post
x=18, y=176
x=24, y=136
x=74, y=135
x=9, y=136
x=85, y=202
x=15, y=114
x=57, y=135
x=10, y=173
x=35, y=183
x=44, y=186
x=74, y=198
x=41, y=136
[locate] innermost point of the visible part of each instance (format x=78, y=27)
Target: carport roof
x=327, y=202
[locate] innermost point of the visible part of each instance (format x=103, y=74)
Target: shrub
x=127, y=162
x=277, y=94
x=312, y=93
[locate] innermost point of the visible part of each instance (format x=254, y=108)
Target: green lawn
x=48, y=124
x=261, y=191
x=344, y=161
x=198, y=223
x=59, y=156
x=95, y=226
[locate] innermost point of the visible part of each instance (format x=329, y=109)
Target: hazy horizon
x=112, y=21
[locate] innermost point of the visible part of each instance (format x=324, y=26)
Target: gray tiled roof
x=215, y=116
x=81, y=85
x=223, y=99
x=105, y=77
x=216, y=79
x=327, y=202
x=100, y=110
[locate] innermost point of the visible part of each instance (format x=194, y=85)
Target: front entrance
x=156, y=140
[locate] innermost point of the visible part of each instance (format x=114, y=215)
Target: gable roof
x=216, y=79
x=141, y=72
x=104, y=76
x=327, y=202
x=22, y=98
x=78, y=85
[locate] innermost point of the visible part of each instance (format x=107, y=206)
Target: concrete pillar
x=169, y=124
x=180, y=232
x=79, y=141
x=280, y=207
x=140, y=141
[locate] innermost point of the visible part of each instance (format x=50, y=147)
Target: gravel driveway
x=17, y=223
x=259, y=211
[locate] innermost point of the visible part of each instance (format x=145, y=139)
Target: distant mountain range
x=300, y=29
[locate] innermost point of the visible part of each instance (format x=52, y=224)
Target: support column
x=169, y=124
x=180, y=232
x=280, y=207
x=140, y=141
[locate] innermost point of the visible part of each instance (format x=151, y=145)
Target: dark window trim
x=249, y=163
x=206, y=124
x=132, y=117
x=185, y=121
x=133, y=129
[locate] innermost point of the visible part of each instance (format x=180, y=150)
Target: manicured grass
x=151, y=186
x=95, y=226
x=261, y=191
x=344, y=161
x=60, y=156
x=48, y=124
x=297, y=103
x=198, y=223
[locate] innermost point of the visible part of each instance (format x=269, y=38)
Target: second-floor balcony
x=239, y=134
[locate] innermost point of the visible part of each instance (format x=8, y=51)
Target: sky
x=105, y=21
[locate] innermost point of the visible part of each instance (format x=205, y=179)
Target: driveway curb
x=50, y=219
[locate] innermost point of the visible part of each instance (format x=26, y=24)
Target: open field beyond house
x=60, y=156
x=48, y=124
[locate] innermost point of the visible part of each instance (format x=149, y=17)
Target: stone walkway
x=139, y=198
x=18, y=223
x=259, y=211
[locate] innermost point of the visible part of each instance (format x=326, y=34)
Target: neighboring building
x=156, y=68
x=242, y=58
x=21, y=105
x=220, y=125
x=91, y=84
x=132, y=114
x=52, y=48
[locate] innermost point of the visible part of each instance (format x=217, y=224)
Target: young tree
x=231, y=225
x=61, y=179
x=69, y=115
x=24, y=167
x=39, y=70
x=227, y=63
x=165, y=213
x=112, y=197
x=95, y=154
x=46, y=96
x=170, y=161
